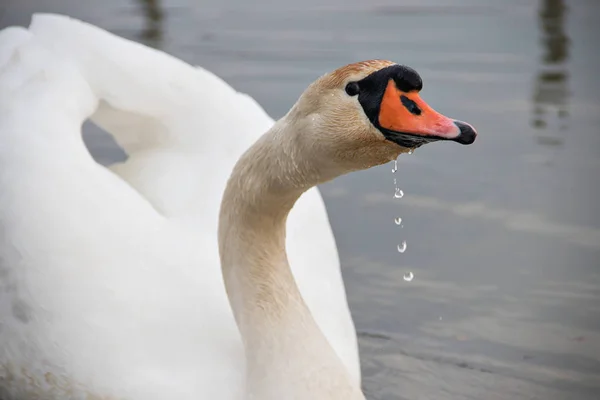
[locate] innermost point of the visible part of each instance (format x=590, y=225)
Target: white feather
x=110, y=283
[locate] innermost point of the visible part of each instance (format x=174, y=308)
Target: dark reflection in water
x=152, y=34
x=551, y=86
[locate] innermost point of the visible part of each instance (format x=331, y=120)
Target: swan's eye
x=352, y=89
x=410, y=105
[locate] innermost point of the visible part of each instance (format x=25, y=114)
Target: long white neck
x=287, y=355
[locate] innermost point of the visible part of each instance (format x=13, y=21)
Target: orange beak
x=406, y=119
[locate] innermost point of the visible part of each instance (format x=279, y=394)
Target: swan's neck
x=287, y=355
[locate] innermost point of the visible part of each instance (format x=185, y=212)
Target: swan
x=110, y=286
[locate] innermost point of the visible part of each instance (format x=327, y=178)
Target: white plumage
x=110, y=283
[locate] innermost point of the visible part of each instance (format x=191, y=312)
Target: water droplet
x=395, y=183
x=408, y=276
x=398, y=221
x=395, y=167
x=410, y=151
x=399, y=193
x=402, y=247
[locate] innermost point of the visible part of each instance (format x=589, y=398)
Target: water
x=398, y=221
x=408, y=276
x=505, y=234
x=401, y=247
x=398, y=194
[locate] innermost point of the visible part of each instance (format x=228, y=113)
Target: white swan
x=111, y=290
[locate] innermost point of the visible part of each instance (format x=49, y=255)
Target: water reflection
x=152, y=34
x=551, y=93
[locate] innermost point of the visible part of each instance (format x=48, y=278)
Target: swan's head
x=367, y=113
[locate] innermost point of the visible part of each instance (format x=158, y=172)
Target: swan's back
x=111, y=284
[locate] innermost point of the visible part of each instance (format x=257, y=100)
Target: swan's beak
x=405, y=119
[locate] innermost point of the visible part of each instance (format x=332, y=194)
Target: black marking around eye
x=373, y=87
x=410, y=105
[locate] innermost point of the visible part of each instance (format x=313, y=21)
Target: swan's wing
x=182, y=127
x=43, y=101
x=100, y=296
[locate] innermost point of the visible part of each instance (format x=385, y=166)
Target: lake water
x=503, y=237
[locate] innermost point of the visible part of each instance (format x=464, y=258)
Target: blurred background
x=503, y=237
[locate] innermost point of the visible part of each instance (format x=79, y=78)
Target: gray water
x=503, y=236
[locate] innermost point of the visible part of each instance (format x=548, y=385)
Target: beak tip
x=467, y=134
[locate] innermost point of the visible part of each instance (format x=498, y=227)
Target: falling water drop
x=399, y=193
x=398, y=221
x=402, y=247
x=408, y=276
x=410, y=151
x=395, y=167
